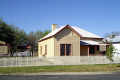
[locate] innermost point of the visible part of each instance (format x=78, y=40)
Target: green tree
x=46, y=32
x=32, y=41
x=110, y=53
x=12, y=35
x=15, y=37
x=39, y=34
x=21, y=38
x=7, y=34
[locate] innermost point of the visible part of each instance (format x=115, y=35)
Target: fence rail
x=48, y=61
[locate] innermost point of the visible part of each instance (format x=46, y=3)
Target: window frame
x=65, y=49
x=45, y=49
x=41, y=50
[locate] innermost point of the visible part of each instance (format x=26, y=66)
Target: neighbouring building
x=70, y=41
x=116, y=43
x=4, y=49
x=22, y=51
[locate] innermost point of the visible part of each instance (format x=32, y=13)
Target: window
x=65, y=49
x=68, y=49
x=41, y=50
x=62, y=49
x=45, y=49
x=97, y=48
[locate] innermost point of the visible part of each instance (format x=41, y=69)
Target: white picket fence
x=49, y=61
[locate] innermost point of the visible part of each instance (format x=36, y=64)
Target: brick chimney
x=54, y=26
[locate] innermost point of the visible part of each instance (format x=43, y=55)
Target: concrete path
x=67, y=73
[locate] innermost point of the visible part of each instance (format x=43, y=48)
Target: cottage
x=4, y=49
x=70, y=41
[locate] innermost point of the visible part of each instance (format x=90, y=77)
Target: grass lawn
x=71, y=68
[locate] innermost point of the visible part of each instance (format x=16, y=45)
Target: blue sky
x=96, y=16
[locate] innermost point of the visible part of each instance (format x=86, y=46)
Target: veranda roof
x=89, y=42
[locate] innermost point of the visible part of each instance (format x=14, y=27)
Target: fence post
x=103, y=60
x=27, y=62
x=16, y=61
x=4, y=62
x=36, y=61
x=12, y=62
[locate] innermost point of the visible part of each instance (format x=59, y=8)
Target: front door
x=91, y=49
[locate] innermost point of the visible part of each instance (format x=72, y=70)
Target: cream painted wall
x=50, y=47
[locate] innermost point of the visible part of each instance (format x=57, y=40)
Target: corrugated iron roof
x=81, y=32
x=89, y=42
x=116, y=39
